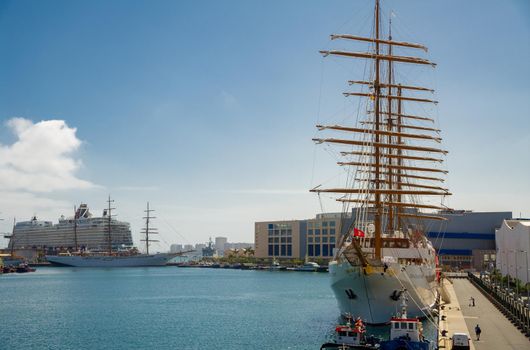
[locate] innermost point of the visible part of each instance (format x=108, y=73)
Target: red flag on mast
x=357, y=233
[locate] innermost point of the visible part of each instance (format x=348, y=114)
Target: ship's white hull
x=110, y=261
x=375, y=297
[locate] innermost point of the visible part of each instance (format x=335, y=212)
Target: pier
x=497, y=331
x=456, y=315
x=451, y=319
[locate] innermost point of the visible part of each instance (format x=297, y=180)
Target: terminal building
x=465, y=240
x=513, y=247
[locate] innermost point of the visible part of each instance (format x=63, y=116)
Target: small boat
x=405, y=332
x=348, y=337
x=275, y=266
x=23, y=268
x=308, y=267
x=9, y=269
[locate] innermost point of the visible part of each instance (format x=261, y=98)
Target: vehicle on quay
x=392, y=178
x=460, y=341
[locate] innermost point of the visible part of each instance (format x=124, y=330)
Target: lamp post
x=507, y=264
x=515, y=268
x=516, y=275
x=527, y=280
x=502, y=262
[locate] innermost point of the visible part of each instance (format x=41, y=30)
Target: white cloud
x=42, y=158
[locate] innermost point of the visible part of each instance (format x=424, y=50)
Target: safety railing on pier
x=508, y=303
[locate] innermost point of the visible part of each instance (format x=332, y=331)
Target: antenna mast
x=148, y=230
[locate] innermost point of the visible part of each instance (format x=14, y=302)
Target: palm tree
x=249, y=251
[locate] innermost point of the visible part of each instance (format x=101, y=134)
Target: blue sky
x=207, y=108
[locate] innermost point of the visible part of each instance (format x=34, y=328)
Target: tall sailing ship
x=394, y=168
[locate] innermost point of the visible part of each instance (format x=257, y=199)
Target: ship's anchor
x=396, y=295
x=350, y=294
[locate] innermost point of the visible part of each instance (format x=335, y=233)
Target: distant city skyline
x=207, y=110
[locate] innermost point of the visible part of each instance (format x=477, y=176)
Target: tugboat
x=405, y=332
x=348, y=337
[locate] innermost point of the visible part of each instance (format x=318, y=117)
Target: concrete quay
x=451, y=317
x=497, y=331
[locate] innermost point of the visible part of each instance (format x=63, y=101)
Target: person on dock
x=471, y=301
x=478, y=331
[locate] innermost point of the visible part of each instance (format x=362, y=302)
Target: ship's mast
x=75, y=229
x=109, y=222
x=390, y=225
x=148, y=230
x=377, y=151
x=399, y=158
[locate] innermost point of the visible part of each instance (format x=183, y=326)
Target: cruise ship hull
x=110, y=261
x=375, y=297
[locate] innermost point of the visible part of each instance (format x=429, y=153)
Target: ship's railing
x=390, y=242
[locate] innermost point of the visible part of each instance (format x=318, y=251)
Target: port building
x=296, y=239
x=513, y=249
x=465, y=240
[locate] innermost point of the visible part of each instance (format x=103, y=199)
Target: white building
x=220, y=244
x=513, y=249
x=175, y=248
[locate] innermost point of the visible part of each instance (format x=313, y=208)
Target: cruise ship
x=81, y=231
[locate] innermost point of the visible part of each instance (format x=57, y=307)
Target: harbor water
x=165, y=307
